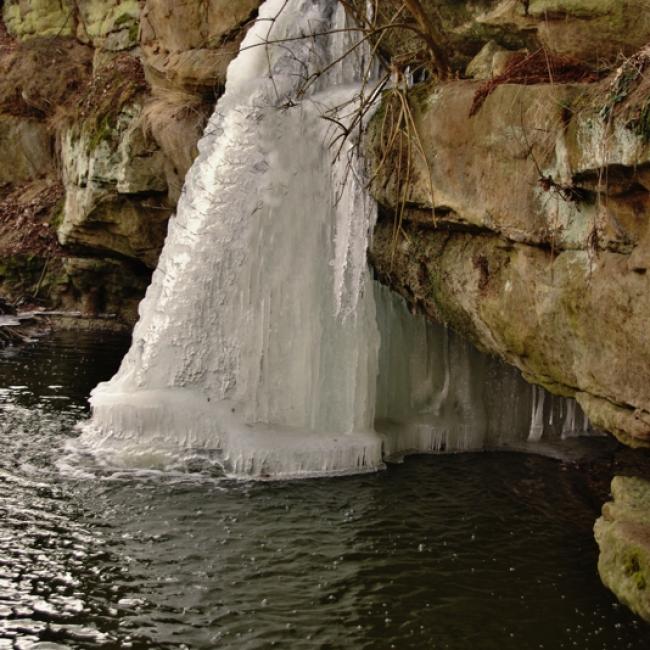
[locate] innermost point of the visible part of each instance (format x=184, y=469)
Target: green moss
x=123, y=20
x=129, y=22
x=634, y=567
x=45, y=18
x=437, y=291
x=574, y=8
x=57, y=216
x=640, y=123
x=134, y=32
x=421, y=95
x=103, y=131
x=19, y=274
x=472, y=39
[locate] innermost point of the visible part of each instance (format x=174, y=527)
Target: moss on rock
x=623, y=535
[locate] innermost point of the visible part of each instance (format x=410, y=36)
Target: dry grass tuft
x=540, y=67
x=399, y=144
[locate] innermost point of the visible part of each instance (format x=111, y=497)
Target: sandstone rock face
x=27, y=150
x=593, y=31
x=105, y=176
x=623, y=535
x=188, y=44
x=527, y=229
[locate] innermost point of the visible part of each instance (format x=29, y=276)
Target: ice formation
x=259, y=337
x=436, y=392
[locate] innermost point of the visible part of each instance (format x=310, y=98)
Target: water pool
x=465, y=552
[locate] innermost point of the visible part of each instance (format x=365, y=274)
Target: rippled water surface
x=490, y=551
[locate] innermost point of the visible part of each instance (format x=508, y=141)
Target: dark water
x=472, y=552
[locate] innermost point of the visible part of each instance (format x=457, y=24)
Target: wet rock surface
x=623, y=534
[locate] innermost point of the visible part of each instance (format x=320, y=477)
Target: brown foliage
x=540, y=67
x=39, y=76
x=111, y=87
x=26, y=213
x=53, y=78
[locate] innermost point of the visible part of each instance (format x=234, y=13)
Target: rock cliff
x=101, y=107
x=516, y=208
x=525, y=226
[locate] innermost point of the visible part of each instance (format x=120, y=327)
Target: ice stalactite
x=436, y=392
x=537, y=415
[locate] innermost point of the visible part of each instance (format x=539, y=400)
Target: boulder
x=110, y=25
x=623, y=535
x=188, y=45
x=483, y=65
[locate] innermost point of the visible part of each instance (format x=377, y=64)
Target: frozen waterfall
x=259, y=337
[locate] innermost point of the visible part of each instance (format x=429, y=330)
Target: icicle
x=537, y=415
x=441, y=397
x=569, y=425
x=370, y=11
x=408, y=76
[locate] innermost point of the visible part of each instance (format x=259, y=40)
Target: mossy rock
x=623, y=535
x=39, y=18
x=574, y=8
